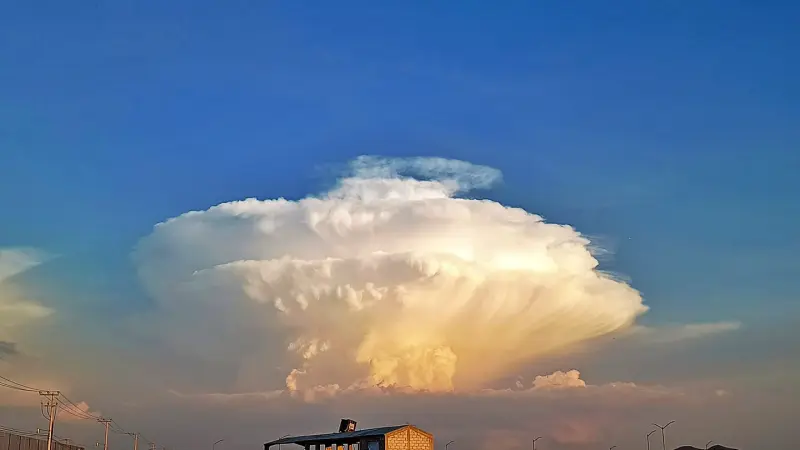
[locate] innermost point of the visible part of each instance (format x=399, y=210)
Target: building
x=398, y=437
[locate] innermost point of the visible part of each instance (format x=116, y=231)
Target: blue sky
x=674, y=126
x=665, y=130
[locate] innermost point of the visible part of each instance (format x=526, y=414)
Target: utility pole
x=534, y=441
x=105, y=422
x=663, y=440
x=135, y=440
x=52, y=410
x=648, y=439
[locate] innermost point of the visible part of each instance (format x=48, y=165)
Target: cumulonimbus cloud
x=387, y=279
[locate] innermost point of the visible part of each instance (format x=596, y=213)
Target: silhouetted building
x=398, y=437
x=713, y=447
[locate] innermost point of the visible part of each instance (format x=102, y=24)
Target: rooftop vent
x=347, y=426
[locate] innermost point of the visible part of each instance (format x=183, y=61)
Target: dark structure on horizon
x=713, y=447
x=397, y=437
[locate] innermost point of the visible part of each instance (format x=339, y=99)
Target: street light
x=534, y=442
x=648, y=438
x=663, y=440
x=612, y=447
x=215, y=443
x=447, y=445
x=708, y=443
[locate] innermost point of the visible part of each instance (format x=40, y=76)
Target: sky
x=242, y=220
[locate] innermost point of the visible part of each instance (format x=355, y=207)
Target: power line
x=75, y=411
x=44, y=414
x=118, y=428
x=56, y=398
x=75, y=405
x=17, y=388
x=17, y=385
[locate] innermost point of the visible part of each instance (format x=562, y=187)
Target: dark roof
x=330, y=437
x=713, y=447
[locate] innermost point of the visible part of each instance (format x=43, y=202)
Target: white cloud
x=14, y=261
x=677, y=333
x=559, y=380
x=405, y=283
x=460, y=175
x=16, y=310
x=564, y=390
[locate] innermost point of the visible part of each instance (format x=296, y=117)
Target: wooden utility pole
x=135, y=440
x=105, y=422
x=52, y=410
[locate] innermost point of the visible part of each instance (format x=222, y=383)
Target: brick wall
x=419, y=441
x=408, y=438
x=397, y=440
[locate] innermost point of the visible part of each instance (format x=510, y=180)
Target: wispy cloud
x=16, y=309
x=676, y=333
x=558, y=385
x=17, y=260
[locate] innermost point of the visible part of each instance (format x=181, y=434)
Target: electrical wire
x=119, y=429
x=45, y=415
x=16, y=385
x=75, y=412
x=72, y=408
x=67, y=406
x=18, y=388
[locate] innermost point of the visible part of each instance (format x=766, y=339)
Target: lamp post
x=648, y=438
x=447, y=445
x=708, y=443
x=612, y=447
x=663, y=440
x=215, y=444
x=534, y=441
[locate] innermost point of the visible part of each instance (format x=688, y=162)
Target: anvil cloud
x=392, y=277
